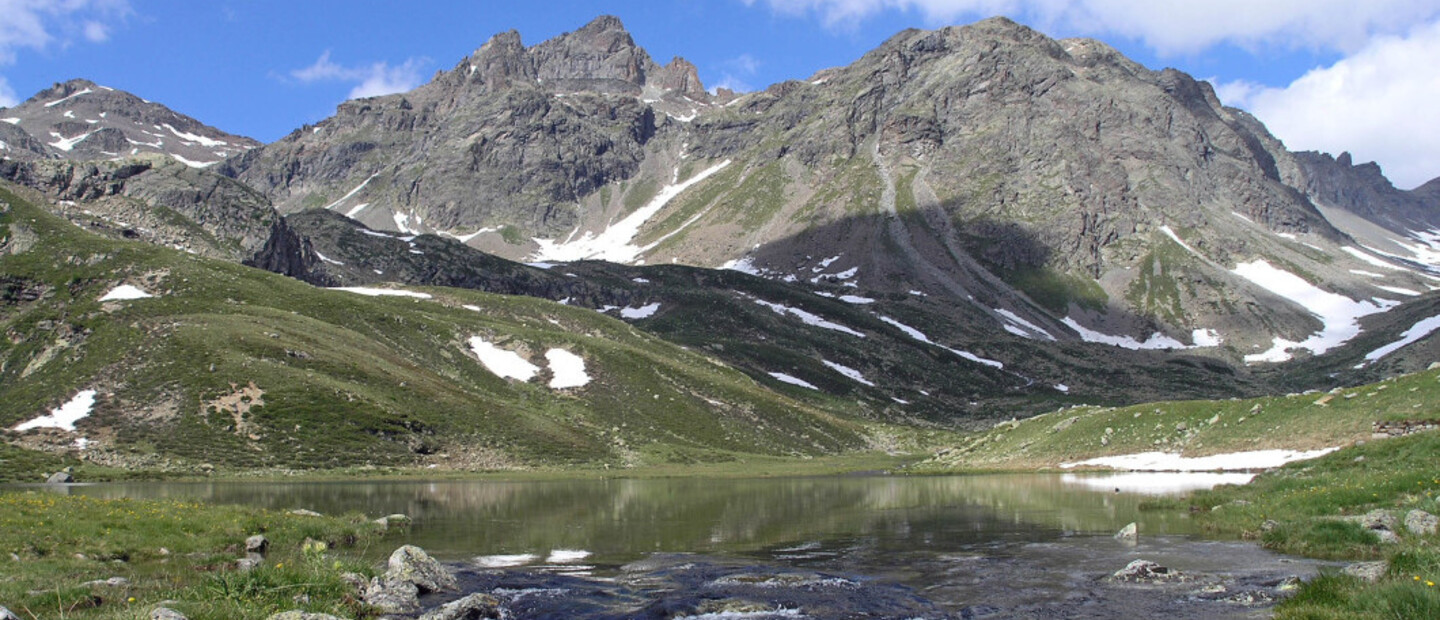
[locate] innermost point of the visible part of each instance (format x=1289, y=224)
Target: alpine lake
x=859, y=546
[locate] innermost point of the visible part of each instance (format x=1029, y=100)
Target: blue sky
x=1330, y=75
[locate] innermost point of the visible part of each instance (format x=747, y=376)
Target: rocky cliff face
x=512, y=136
x=82, y=120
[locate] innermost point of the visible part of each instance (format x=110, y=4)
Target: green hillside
x=233, y=367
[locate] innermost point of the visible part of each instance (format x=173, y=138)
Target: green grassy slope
x=342, y=379
x=1198, y=428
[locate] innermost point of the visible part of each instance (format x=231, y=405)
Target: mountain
x=1053, y=189
x=82, y=120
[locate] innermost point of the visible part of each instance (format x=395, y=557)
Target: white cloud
x=736, y=73
x=373, y=80
x=37, y=24
x=97, y=32
x=1169, y=27
x=7, y=94
x=1377, y=103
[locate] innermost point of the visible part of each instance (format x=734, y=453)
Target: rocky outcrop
x=1421, y=523
x=156, y=200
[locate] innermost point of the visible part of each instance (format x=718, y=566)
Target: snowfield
x=1170, y=461
x=1339, y=314
x=1156, y=340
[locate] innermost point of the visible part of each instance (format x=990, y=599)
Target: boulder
x=411, y=564
x=296, y=614
x=6, y=614
x=392, y=596
x=249, y=562
x=257, y=544
x=1365, y=571
x=1421, y=523
x=60, y=477
x=113, y=582
x=165, y=613
x=473, y=607
x=305, y=513
x=1145, y=571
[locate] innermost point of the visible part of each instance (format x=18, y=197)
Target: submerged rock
x=1129, y=534
x=410, y=563
x=473, y=607
x=1145, y=571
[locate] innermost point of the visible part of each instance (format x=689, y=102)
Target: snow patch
x=808, y=318
x=354, y=211
x=1368, y=274
x=614, y=243
x=1357, y=253
x=1398, y=290
x=124, y=292
x=643, y=312
x=352, y=192
x=784, y=378
x=1339, y=314
x=13, y=120
x=856, y=299
x=65, y=416
x=382, y=292
x=205, y=142
x=567, y=370
x=1419, y=330
x=1156, y=340
x=916, y=334
x=192, y=163
x=326, y=259
x=1021, y=327
x=65, y=144
x=848, y=372
x=502, y=362
x=1062, y=388
x=1176, y=238
x=73, y=95
x=467, y=238
x=1171, y=461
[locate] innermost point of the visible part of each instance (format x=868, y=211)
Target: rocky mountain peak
x=600, y=57
x=81, y=120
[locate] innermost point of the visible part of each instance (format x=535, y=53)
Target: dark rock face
x=158, y=200
x=82, y=120
x=1364, y=190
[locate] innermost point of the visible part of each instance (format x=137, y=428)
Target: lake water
x=1013, y=545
